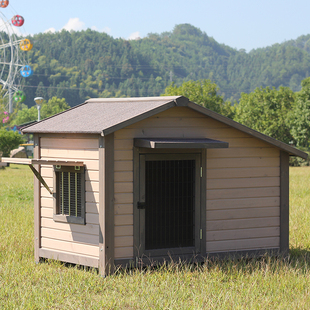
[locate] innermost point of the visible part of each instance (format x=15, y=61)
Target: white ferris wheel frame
x=11, y=61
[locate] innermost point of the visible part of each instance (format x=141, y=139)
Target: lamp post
x=39, y=101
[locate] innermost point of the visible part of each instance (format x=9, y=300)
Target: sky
x=240, y=24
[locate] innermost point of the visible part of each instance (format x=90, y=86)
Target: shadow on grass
x=297, y=260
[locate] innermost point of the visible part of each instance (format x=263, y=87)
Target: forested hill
x=78, y=65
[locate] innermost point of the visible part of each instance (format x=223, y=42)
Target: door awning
x=171, y=143
x=30, y=162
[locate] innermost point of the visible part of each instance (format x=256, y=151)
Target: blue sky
x=240, y=24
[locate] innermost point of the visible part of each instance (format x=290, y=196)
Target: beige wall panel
x=47, y=172
x=124, y=144
x=243, y=234
x=69, y=236
x=49, y=182
x=92, y=207
x=45, y=193
x=243, y=152
x=77, y=248
x=47, y=212
x=74, y=154
x=243, y=193
x=223, y=204
x=243, y=162
x=92, y=197
x=125, y=165
x=123, y=187
x=175, y=122
x=123, y=209
x=122, y=176
x=243, y=223
x=47, y=202
x=74, y=144
x=92, y=186
x=123, y=220
x=245, y=244
x=123, y=230
x=243, y=183
x=84, y=229
x=123, y=155
x=223, y=173
x=123, y=198
x=92, y=175
x=181, y=132
x=123, y=241
x=242, y=213
x=179, y=112
x=92, y=218
x=123, y=252
x=246, y=142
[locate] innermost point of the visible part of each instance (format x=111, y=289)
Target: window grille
x=69, y=185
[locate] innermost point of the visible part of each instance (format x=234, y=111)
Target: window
x=69, y=198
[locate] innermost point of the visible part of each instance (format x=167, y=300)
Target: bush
x=9, y=140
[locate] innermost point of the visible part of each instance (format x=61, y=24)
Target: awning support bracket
x=39, y=177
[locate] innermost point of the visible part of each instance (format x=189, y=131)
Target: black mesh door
x=169, y=204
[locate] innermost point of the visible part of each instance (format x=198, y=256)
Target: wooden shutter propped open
x=30, y=162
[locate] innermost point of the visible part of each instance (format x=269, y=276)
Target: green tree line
x=78, y=65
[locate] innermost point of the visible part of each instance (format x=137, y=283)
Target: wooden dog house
x=123, y=181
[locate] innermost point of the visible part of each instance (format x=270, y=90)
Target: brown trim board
x=109, y=203
x=284, y=202
x=37, y=201
x=101, y=262
x=69, y=258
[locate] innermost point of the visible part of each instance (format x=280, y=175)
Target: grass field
x=265, y=283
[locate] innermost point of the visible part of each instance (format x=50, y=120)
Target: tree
x=53, y=106
x=267, y=110
x=204, y=93
x=9, y=140
x=300, y=117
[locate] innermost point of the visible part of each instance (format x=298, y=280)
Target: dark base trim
x=69, y=258
x=190, y=258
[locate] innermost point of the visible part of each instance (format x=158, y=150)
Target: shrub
x=9, y=140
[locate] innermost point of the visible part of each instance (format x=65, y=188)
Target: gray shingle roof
x=98, y=115
x=104, y=116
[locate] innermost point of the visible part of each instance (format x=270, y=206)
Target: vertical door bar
x=142, y=200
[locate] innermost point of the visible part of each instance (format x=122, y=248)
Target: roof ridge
x=134, y=99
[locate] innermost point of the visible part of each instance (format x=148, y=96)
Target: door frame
x=200, y=205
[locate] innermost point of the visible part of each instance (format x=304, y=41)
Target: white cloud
x=74, y=24
x=134, y=36
x=52, y=30
x=106, y=30
x=77, y=25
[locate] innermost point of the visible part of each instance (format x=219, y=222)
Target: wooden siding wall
x=243, y=182
x=63, y=237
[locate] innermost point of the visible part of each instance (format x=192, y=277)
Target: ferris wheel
x=13, y=64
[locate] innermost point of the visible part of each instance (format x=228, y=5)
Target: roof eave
x=281, y=145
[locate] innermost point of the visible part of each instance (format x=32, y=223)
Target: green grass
x=265, y=283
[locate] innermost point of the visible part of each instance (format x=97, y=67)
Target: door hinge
x=200, y=234
x=201, y=172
